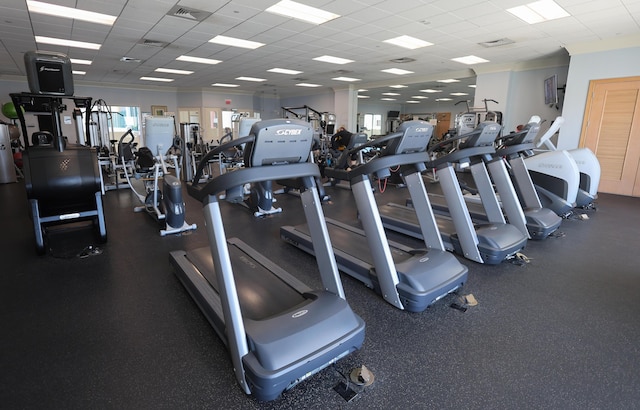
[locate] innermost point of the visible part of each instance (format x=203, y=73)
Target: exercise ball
x=9, y=111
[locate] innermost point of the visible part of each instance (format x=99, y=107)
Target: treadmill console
x=279, y=141
x=415, y=138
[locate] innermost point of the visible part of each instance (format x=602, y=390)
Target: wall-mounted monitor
x=393, y=114
x=551, y=90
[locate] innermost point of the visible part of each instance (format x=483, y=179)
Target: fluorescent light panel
x=430, y=90
x=348, y=79
x=443, y=99
x=398, y=86
x=363, y=96
x=302, y=12
x=78, y=72
x=397, y=71
x=458, y=94
x=284, y=71
x=412, y=102
x=225, y=85
x=81, y=62
x=387, y=99
x=390, y=93
x=198, y=60
x=419, y=97
x=333, y=60
x=254, y=79
x=470, y=60
x=172, y=71
x=67, y=43
x=235, y=42
x=408, y=42
x=539, y=11
x=70, y=13
x=308, y=85
x=159, y=79
x=448, y=80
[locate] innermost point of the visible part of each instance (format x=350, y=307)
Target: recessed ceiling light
x=308, y=85
x=348, y=79
x=444, y=99
x=284, y=71
x=408, y=42
x=235, y=42
x=412, y=102
x=472, y=86
x=159, y=79
x=362, y=90
x=420, y=97
x=70, y=12
x=390, y=93
x=78, y=61
x=470, y=60
x=398, y=86
x=458, y=94
x=333, y=60
x=300, y=11
x=198, y=60
x=430, y=90
x=539, y=11
x=68, y=43
x=387, y=99
x=78, y=72
x=448, y=80
x=363, y=96
x=254, y=79
x=397, y=71
x=225, y=85
x=172, y=71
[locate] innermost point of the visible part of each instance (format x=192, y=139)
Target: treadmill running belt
x=261, y=293
x=354, y=243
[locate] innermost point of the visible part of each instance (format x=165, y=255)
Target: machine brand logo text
x=289, y=132
x=43, y=68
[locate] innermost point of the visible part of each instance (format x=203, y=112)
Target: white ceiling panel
x=454, y=26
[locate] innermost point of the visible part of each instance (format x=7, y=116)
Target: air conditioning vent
x=188, y=13
x=153, y=43
x=497, y=43
x=403, y=60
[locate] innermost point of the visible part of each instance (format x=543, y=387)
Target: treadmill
x=517, y=196
x=278, y=330
x=490, y=242
x=407, y=278
x=514, y=148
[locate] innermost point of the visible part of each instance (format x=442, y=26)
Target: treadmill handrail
x=204, y=162
x=249, y=175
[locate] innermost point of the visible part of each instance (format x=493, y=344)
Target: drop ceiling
x=151, y=34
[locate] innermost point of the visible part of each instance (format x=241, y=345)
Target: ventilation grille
x=403, y=60
x=497, y=43
x=188, y=14
x=153, y=43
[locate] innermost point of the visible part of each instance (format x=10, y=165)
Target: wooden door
x=444, y=123
x=611, y=129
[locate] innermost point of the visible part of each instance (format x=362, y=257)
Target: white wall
x=582, y=69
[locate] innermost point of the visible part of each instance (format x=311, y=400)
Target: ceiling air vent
x=153, y=43
x=403, y=60
x=497, y=43
x=188, y=13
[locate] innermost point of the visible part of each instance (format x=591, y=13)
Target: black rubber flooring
x=112, y=327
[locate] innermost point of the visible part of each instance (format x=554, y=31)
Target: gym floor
x=112, y=327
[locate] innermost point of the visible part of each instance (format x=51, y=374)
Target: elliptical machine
x=167, y=208
x=588, y=167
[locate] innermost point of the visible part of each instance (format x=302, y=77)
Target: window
x=373, y=124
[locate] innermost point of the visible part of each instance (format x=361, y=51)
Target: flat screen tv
x=551, y=90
